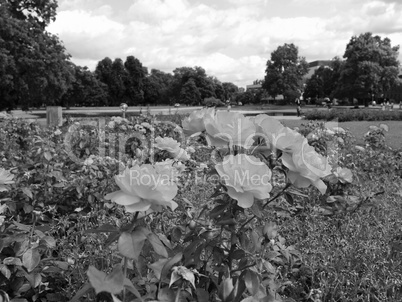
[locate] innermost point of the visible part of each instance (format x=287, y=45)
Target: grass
x=393, y=138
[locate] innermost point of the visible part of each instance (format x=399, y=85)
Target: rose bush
x=217, y=219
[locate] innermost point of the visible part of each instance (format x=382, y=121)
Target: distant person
x=374, y=103
x=298, y=104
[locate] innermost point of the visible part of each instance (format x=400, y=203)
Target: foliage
x=341, y=115
x=34, y=66
x=285, y=71
x=62, y=240
x=85, y=90
x=323, y=81
x=371, y=67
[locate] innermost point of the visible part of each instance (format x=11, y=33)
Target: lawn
x=393, y=138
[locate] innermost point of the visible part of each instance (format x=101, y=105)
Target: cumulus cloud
x=231, y=39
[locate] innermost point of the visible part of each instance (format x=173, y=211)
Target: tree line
x=369, y=70
x=35, y=70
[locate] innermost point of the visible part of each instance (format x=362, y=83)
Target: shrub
x=345, y=115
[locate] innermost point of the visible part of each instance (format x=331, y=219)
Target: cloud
x=231, y=39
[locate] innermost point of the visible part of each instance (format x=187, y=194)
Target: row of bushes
x=346, y=115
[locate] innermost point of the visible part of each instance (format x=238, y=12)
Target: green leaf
x=106, y=228
x=49, y=241
x=27, y=208
x=169, y=264
x=252, y=282
x=227, y=290
x=202, y=295
x=27, y=192
x=250, y=299
x=112, y=283
x=166, y=295
x=165, y=241
x=157, y=267
x=34, y=279
x=271, y=230
x=47, y=155
x=115, y=299
x=157, y=245
x=31, y=259
x=83, y=290
x=5, y=271
x=176, y=234
x=12, y=261
x=22, y=227
x=256, y=244
x=130, y=286
x=130, y=245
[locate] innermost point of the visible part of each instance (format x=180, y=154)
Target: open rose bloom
x=246, y=178
x=306, y=167
x=172, y=146
x=229, y=129
x=143, y=188
x=276, y=136
x=195, y=121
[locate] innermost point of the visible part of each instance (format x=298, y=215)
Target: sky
x=231, y=39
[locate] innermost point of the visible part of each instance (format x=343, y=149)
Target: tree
x=157, y=87
x=33, y=62
x=134, y=80
x=86, y=89
x=285, y=71
x=321, y=84
x=189, y=94
x=205, y=85
x=229, y=90
x=371, y=67
x=114, y=75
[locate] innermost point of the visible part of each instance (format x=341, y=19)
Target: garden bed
x=73, y=227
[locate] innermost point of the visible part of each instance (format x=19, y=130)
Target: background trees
x=324, y=81
x=34, y=66
x=35, y=69
x=85, y=90
x=371, y=67
x=285, y=71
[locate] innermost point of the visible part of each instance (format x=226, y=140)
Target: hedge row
x=346, y=115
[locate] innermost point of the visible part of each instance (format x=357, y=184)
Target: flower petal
x=244, y=199
x=120, y=197
x=143, y=205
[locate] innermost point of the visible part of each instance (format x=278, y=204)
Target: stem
x=33, y=228
x=135, y=216
x=268, y=202
x=242, y=268
x=277, y=195
x=177, y=298
x=125, y=276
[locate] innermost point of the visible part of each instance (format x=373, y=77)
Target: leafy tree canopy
x=285, y=71
x=33, y=63
x=371, y=66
